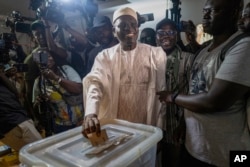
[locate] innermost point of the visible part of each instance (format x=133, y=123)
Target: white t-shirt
x=211, y=136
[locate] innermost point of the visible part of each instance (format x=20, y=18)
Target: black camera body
x=17, y=24
x=142, y=18
x=146, y=17
x=52, y=12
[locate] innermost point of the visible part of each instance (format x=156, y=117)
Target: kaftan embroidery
x=133, y=87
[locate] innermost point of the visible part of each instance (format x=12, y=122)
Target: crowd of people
x=197, y=94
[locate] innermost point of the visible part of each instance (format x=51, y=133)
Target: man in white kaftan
x=124, y=79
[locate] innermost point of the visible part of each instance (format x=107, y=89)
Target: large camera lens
x=54, y=15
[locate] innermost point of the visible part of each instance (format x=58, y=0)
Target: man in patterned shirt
x=177, y=71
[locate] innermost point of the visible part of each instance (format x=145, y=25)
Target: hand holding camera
x=49, y=74
x=39, y=99
x=51, y=13
x=187, y=26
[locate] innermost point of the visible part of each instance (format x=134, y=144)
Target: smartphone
x=40, y=57
x=22, y=27
x=21, y=67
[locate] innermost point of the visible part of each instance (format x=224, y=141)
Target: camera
x=17, y=24
x=146, y=17
x=21, y=67
x=51, y=12
x=53, y=9
x=22, y=27
x=142, y=18
x=186, y=26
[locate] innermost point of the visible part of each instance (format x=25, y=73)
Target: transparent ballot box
x=128, y=144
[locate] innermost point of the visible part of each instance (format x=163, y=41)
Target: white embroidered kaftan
x=123, y=84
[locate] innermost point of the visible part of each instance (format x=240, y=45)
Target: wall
x=190, y=9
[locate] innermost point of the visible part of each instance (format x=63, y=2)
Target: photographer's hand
x=46, y=23
x=52, y=46
x=40, y=99
x=165, y=96
x=49, y=74
x=64, y=25
x=79, y=37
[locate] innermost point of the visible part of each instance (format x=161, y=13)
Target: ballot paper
x=108, y=144
x=97, y=140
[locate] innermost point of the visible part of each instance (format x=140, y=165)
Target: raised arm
x=52, y=46
x=79, y=37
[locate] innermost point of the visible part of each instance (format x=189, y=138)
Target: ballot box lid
x=70, y=148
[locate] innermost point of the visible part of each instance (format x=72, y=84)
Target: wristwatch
x=174, y=95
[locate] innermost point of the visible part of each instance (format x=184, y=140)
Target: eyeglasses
x=170, y=33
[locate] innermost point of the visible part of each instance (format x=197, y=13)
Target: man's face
x=126, y=30
x=74, y=44
x=51, y=62
x=244, y=22
x=103, y=35
x=216, y=17
x=40, y=37
x=148, y=37
x=166, y=37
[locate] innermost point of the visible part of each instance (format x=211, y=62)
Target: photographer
x=189, y=29
x=12, y=56
x=79, y=47
x=78, y=44
x=148, y=36
x=16, y=77
x=102, y=32
x=52, y=46
x=39, y=34
x=59, y=88
x=16, y=128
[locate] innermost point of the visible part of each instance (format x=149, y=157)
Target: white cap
x=124, y=11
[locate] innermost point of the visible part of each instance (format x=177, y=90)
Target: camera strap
x=57, y=89
x=71, y=100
